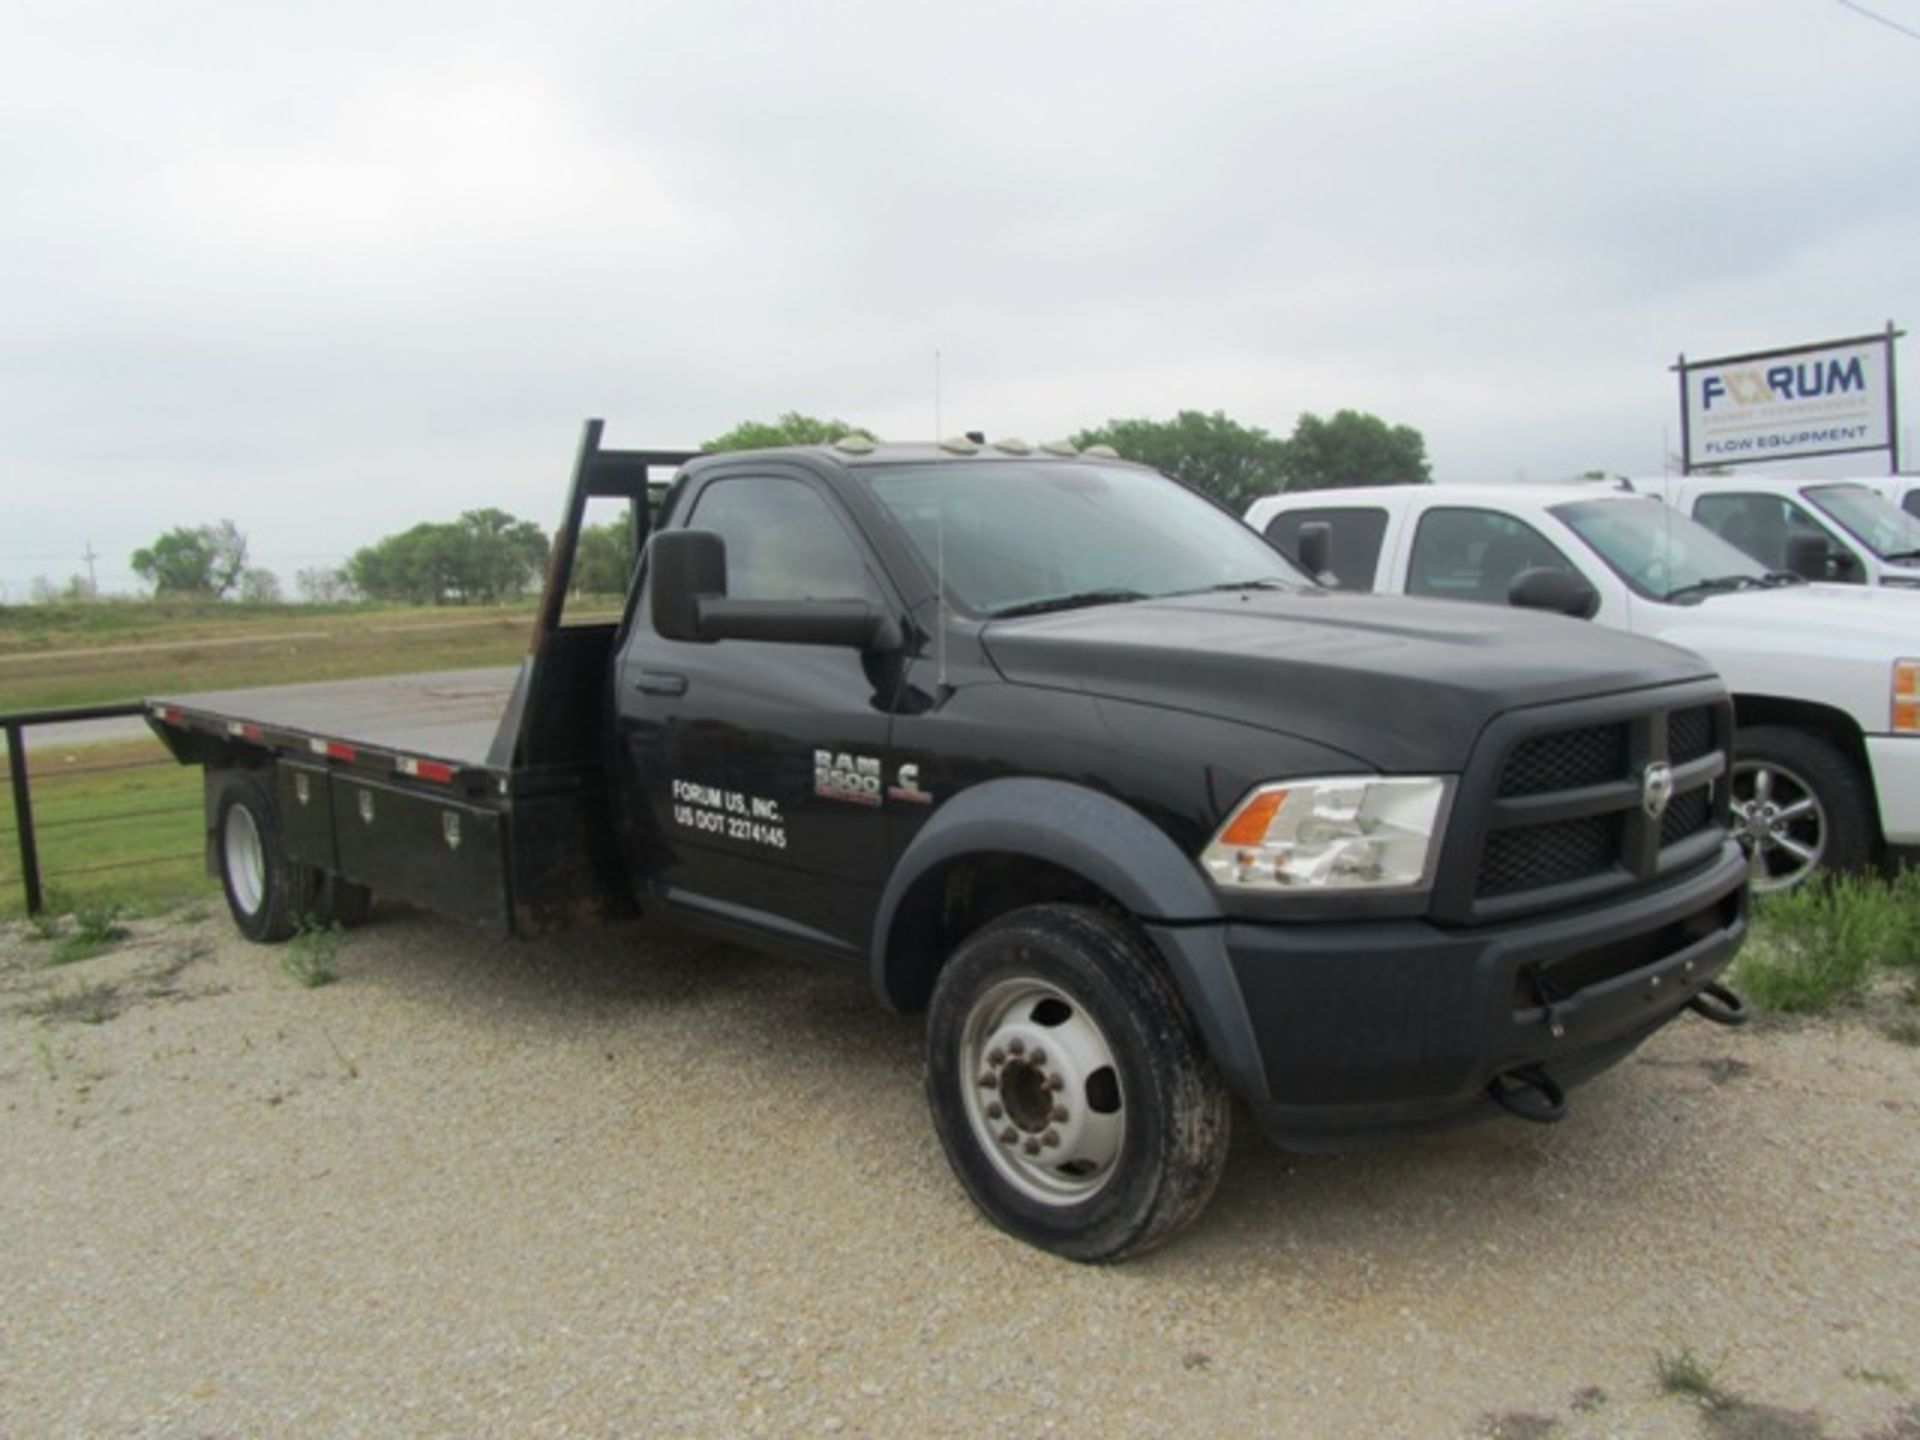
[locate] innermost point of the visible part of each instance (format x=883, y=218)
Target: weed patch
x=88, y=1004
x=310, y=954
x=1824, y=944
x=1685, y=1376
x=96, y=930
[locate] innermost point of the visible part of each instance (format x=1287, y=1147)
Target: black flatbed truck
x=1063, y=754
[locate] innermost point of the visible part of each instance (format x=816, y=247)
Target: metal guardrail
x=14, y=725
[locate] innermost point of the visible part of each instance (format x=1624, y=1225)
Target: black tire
x=1135, y=1153
x=1821, y=810
x=267, y=893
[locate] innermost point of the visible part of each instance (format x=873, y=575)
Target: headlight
x=1345, y=833
x=1906, y=697
x=1900, y=582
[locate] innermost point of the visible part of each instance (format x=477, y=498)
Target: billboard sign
x=1833, y=398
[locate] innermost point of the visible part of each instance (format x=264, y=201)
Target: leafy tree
x=260, y=586
x=323, y=585
x=792, y=428
x=481, y=558
x=205, y=560
x=1234, y=463
x=603, y=563
x=1354, y=448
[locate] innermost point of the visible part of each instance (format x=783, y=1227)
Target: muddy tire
x=267, y=893
x=1069, y=1087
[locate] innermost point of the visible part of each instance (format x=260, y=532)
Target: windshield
x=1016, y=537
x=1659, y=551
x=1870, y=518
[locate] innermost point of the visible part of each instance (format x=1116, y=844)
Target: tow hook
x=1717, y=1003
x=1529, y=1093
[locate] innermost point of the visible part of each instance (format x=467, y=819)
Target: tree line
x=487, y=555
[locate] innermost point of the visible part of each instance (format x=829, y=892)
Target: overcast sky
x=333, y=269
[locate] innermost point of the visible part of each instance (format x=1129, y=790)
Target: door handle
x=660, y=682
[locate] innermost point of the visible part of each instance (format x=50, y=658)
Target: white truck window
x=1464, y=554
x=1353, y=552
x=1761, y=525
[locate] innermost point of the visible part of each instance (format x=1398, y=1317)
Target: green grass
x=96, y=930
x=118, y=824
x=1827, y=943
x=308, y=957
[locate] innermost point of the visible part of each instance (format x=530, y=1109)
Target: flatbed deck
x=450, y=715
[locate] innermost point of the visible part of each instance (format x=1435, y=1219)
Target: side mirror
x=682, y=567
x=1315, y=547
x=1559, y=591
x=687, y=572
x=1810, y=557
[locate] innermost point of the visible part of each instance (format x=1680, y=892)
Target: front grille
x=1690, y=734
x=1566, y=761
x=1571, y=806
x=1543, y=855
x=1688, y=814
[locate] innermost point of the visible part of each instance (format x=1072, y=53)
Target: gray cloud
x=331, y=272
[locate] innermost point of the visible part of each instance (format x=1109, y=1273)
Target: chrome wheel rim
x=246, y=859
x=1780, y=823
x=1042, y=1091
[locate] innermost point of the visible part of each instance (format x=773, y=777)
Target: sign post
x=1835, y=397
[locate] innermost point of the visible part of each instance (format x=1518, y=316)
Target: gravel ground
x=634, y=1184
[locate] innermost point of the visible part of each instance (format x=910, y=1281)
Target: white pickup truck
x=1825, y=678
x=1857, y=532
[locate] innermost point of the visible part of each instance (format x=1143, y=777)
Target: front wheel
x=1799, y=805
x=1068, y=1085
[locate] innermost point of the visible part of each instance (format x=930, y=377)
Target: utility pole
x=93, y=583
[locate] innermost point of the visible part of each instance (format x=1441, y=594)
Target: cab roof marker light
x=1059, y=447
x=1013, y=445
x=1101, y=452
x=960, y=445
x=854, y=445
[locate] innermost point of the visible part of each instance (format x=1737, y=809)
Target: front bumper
x=1340, y=1034
x=1895, y=761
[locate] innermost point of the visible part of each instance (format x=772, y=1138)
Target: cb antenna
x=939, y=542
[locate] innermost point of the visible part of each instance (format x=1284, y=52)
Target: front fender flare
x=1113, y=847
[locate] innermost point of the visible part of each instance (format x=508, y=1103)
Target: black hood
x=1406, y=685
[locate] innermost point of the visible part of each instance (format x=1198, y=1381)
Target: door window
x=1353, y=553
x=783, y=541
x=1475, y=555
x=1761, y=525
